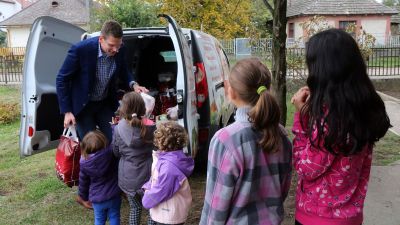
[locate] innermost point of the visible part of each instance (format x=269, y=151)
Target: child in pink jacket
x=167, y=193
x=339, y=116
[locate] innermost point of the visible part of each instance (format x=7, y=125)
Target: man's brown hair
x=111, y=28
x=170, y=136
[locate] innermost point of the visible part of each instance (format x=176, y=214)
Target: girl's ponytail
x=132, y=109
x=251, y=81
x=265, y=116
x=136, y=121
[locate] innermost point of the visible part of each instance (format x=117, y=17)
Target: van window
x=169, y=56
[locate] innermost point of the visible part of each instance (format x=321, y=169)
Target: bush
x=9, y=112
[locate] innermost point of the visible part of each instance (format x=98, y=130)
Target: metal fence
x=11, y=63
x=383, y=62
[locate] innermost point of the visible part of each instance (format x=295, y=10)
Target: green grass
x=386, y=62
x=10, y=94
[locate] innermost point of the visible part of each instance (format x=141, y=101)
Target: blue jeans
x=110, y=208
x=92, y=115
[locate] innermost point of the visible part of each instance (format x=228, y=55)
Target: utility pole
x=88, y=4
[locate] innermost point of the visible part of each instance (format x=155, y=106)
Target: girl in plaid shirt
x=249, y=161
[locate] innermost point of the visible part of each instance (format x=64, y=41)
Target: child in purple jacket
x=167, y=193
x=98, y=179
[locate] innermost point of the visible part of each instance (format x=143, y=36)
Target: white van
x=193, y=62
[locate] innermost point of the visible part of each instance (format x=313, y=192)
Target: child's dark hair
x=132, y=109
x=342, y=98
x=170, y=136
x=92, y=142
x=246, y=77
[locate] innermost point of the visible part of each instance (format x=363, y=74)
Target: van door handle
x=33, y=99
x=219, y=85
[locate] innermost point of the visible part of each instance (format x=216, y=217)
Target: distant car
x=179, y=66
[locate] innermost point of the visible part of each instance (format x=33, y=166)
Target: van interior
x=153, y=63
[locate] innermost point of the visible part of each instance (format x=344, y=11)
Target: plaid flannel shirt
x=245, y=185
x=105, y=67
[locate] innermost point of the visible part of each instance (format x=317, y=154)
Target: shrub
x=9, y=112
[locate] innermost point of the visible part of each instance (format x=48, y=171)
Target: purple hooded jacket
x=173, y=167
x=98, y=179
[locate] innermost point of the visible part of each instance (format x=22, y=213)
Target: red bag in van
x=68, y=155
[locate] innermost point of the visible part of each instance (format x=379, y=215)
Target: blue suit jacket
x=76, y=77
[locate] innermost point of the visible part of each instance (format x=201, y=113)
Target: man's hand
x=139, y=89
x=68, y=119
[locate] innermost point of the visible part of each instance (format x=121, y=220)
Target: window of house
x=344, y=24
x=291, y=30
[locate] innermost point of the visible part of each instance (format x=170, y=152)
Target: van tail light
x=30, y=131
x=201, y=84
x=203, y=135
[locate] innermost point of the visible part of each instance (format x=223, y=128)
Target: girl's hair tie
x=261, y=89
x=134, y=115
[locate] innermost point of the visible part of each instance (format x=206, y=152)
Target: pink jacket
x=168, y=192
x=331, y=189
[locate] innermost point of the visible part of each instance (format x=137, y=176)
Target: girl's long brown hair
x=133, y=103
x=245, y=78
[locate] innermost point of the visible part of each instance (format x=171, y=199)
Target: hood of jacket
x=131, y=135
x=98, y=164
x=183, y=163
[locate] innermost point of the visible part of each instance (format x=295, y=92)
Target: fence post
x=7, y=68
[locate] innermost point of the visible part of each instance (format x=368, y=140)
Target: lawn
x=31, y=194
x=386, y=62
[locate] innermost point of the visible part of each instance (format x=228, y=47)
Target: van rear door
x=185, y=82
x=48, y=45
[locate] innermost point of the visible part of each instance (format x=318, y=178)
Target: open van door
x=186, y=89
x=48, y=45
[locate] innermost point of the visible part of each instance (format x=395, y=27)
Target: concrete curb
x=386, y=97
x=391, y=103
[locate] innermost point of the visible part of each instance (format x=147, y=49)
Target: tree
x=220, y=18
x=391, y=2
x=130, y=13
x=278, y=10
x=259, y=19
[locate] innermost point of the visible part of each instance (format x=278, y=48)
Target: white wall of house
x=298, y=30
x=18, y=37
x=8, y=9
x=378, y=26
x=375, y=27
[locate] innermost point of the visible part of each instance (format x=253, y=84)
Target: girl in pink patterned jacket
x=339, y=116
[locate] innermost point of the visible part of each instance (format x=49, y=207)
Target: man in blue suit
x=87, y=81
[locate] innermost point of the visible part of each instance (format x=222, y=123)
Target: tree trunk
x=279, y=55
